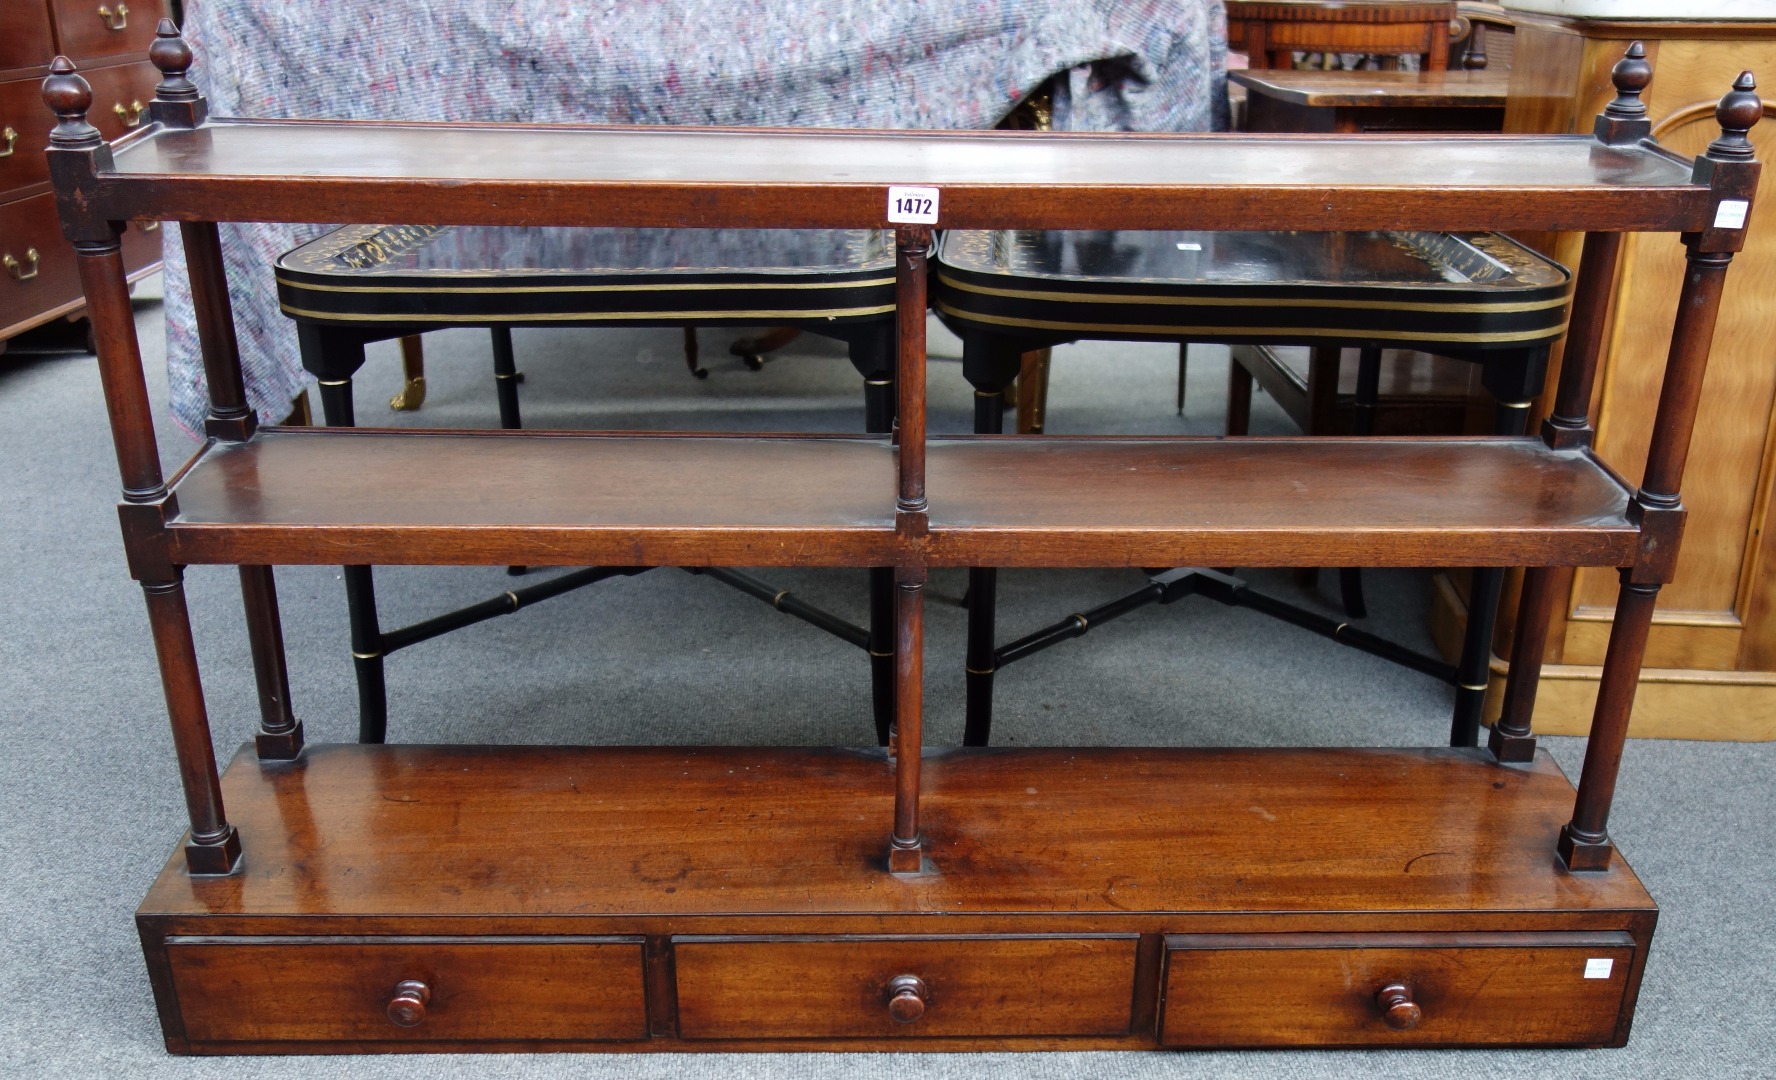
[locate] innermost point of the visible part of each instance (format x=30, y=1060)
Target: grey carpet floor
x=89, y=800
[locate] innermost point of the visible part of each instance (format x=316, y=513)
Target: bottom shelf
x=671, y=898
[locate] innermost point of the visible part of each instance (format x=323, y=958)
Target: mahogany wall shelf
x=351, y=897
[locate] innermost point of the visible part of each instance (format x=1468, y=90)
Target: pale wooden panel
x=1670, y=704
x=1540, y=98
x=1675, y=641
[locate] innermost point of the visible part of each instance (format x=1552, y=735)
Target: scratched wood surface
x=353, y=831
x=468, y=174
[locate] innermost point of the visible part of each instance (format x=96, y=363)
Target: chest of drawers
x=108, y=41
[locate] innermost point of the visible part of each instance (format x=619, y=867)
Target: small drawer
x=24, y=132
x=37, y=271
x=88, y=29
x=121, y=94
x=1549, y=989
x=25, y=39
x=409, y=990
x=760, y=988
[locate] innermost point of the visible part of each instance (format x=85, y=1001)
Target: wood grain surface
x=1320, y=989
x=541, y=988
x=1049, y=501
x=753, y=988
x=382, y=834
x=466, y=174
x=366, y=496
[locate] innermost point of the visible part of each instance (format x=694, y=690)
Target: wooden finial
x=1631, y=75
x=1624, y=121
x=70, y=97
x=177, y=102
x=173, y=57
x=1737, y=113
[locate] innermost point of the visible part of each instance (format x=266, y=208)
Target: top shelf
x=250, y=170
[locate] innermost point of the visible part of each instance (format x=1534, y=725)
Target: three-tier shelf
x=360, y=897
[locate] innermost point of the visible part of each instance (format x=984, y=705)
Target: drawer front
x=24, y=132
x=1466, y=990
x=121, y=94
x=38, y=272
x=739, y=988
x=84, y=32
x=507, y=990
x=25, y=41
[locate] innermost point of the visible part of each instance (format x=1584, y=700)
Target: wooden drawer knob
x=906, y=998
x=1397, y=1007
x=407, y=1006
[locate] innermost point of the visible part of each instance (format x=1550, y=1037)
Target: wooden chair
x=1480, y=297
x=365, y=283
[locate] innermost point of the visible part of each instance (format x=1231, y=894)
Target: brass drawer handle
x=906, y=998
x=407, y=1007
x=115, y=20
x=17, y=270
x=11, y=137
x=131, y=115
x=1398, y=1009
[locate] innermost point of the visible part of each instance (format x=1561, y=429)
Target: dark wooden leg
x=280, y=733
x=360, y=583
x=690, y=349
x=1658, y=507
x=911, y=245
x=413, y=385
x=367, y=653
x=506, y=378
x=1183, y=371
x=1584, y=841
x=906, y=851
x=213, y=846
x=1511, y=739
x=1239, y=398
x=1032, y=392
x=1368, y=399
x=873, y=357
x=1514, y=381
x=989, y=364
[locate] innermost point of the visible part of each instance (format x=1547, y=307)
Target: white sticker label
x=1598, y=967
x=912, y=205
x=1730, y=214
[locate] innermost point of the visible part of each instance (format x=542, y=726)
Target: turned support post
x=1729, y=169
x=1568, y=424
x=911, y=243
x=906, y=849
x=77, y=155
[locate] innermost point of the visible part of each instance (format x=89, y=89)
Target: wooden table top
x=1380, y=89
x=505, y=174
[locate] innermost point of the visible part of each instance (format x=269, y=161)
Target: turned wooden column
x=178, y=104
x=76, y=154
x=1730, y=170
x=912, y=244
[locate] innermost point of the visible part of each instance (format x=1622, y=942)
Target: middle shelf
x=299, y=495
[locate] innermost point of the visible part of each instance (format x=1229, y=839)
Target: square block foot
x=1511, y=748
x=1583, y=855
x=280, y=745
x=219, y=858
